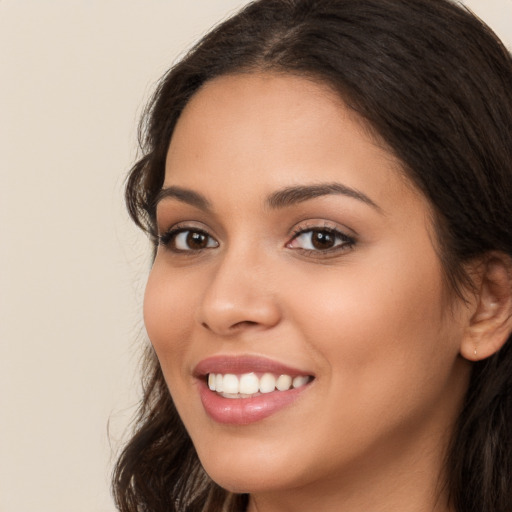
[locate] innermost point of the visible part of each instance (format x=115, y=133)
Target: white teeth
x=267, y=383
x=219, y=381
x=300, y=381
x=284, y=382
x=211, y=381
x=230, y=384
x=249, y=384
x=233, y=386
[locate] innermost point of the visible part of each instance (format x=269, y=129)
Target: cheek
x=167, y=309
x=387, y=349
x=384, y=326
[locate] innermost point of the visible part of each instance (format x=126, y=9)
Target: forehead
x=260, y=106
x=267, y=130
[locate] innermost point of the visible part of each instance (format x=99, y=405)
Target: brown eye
x=197, y=240
x=188, y=240
x=321, y=240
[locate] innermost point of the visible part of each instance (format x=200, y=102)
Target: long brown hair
x=436, y=85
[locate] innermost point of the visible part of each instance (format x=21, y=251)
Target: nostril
x=245, y=323
x=236, y=326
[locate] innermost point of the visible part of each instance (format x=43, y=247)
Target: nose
x=238, y=297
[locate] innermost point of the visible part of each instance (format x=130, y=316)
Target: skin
x=370, y=319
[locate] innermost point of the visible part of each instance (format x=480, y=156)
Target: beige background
x=74, y=78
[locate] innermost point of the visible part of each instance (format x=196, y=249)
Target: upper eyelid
x=180, y=227
x=299, y=231
x=312, y=225
x=334, y=231
x=184, y=229
x=189, y=225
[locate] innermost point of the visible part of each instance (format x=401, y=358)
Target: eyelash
x=344, y=242
x=168, y=238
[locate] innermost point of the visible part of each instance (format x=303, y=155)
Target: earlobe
x=491, y=322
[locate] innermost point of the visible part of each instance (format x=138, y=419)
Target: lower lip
x=242, y=411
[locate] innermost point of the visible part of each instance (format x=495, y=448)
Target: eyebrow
x=184, y=195
x=286, y=197
x=293, y=195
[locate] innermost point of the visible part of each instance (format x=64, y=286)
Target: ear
x=491, y=322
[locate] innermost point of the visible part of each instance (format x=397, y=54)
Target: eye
x=187, y=240
x=320, y=240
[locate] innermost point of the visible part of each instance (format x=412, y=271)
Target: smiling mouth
x=241, y=390
x=249, y=385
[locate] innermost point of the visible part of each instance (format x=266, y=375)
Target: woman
x=327, y=187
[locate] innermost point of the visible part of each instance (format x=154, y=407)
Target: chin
x=242, y=468
x=249, y=479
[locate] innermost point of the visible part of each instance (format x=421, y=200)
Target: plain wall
x=74, y=78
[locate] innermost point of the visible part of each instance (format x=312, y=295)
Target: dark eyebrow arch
x=184, y=195
x=293, y=195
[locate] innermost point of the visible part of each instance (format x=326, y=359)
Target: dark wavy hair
x=435, y=84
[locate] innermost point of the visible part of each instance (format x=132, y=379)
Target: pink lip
x=244, y=364
x=242, y=411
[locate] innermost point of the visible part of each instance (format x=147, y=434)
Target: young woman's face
x=292, y=244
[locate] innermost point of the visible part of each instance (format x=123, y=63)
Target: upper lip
x=244, y=364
